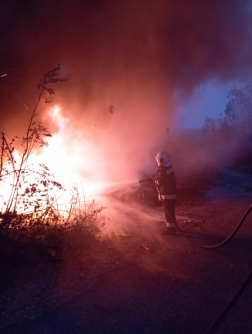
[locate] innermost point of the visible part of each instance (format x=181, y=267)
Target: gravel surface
x=145, y=284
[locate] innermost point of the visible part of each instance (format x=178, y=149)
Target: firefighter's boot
x=170, y=229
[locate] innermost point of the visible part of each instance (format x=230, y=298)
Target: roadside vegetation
x=32, y=227
x=233, y=129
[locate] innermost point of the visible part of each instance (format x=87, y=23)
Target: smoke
x=124, y=216
x=124, y=60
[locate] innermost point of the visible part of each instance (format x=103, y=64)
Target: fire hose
x=225, y=310
x=216, y=245
x=192, y=241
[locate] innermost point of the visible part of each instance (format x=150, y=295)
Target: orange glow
x=96, y=151
x=69, y=159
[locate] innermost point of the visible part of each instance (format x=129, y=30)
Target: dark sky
x=114, y=51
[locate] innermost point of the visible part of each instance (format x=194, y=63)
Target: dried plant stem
x=2, y=153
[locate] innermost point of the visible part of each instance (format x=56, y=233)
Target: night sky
x=120, y=52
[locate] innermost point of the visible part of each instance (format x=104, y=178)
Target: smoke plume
x=124, y=60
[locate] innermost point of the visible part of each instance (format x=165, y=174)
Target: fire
x=77, y=163
x=69, y=158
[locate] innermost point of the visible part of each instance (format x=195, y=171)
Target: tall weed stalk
x=25, y=194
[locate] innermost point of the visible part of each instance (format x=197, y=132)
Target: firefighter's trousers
x=169, y=209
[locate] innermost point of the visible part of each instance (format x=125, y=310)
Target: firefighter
x=165, y=182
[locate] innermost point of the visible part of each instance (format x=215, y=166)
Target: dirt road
x=146, y=283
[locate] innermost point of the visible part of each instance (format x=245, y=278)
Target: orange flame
x=75, y=161
x=69, y=158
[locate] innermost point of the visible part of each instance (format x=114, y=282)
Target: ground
x=145, y=283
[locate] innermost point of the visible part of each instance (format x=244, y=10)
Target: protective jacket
x=166, y=182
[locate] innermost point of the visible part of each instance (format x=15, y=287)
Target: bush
x=31, y=225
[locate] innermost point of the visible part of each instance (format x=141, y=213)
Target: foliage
x=32, y=223
x=25, y=194
x=229, y=137
x=47, y=233
x=30, y=212
x=239, y=107
x=237, y=115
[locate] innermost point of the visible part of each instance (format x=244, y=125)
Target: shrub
x=31, y=221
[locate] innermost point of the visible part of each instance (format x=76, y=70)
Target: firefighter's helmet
x=163, y=158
